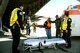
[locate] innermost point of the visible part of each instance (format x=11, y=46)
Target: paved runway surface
x=5, y=47
x=6, y=43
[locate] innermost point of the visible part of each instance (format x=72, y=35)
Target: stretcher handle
x=40, y=44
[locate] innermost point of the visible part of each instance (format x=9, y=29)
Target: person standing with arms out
x=66, y=24
x=47, y=26
x=57, y=24
x=15, y=26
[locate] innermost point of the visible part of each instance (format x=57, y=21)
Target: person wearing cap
x=16, y=23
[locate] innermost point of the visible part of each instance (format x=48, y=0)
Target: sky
x=54, y=7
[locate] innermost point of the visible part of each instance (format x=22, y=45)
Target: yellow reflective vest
x=14, y=16
x=66, y=24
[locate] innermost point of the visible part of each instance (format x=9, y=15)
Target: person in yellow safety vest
x=66, y=25
x=15, y=25
x=14, y=14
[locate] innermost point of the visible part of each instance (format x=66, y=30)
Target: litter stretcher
x=38, y=44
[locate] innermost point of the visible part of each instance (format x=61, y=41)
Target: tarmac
x=6, y=45
x=6, y=42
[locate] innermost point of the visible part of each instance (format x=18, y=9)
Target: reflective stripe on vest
x=14, y=16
